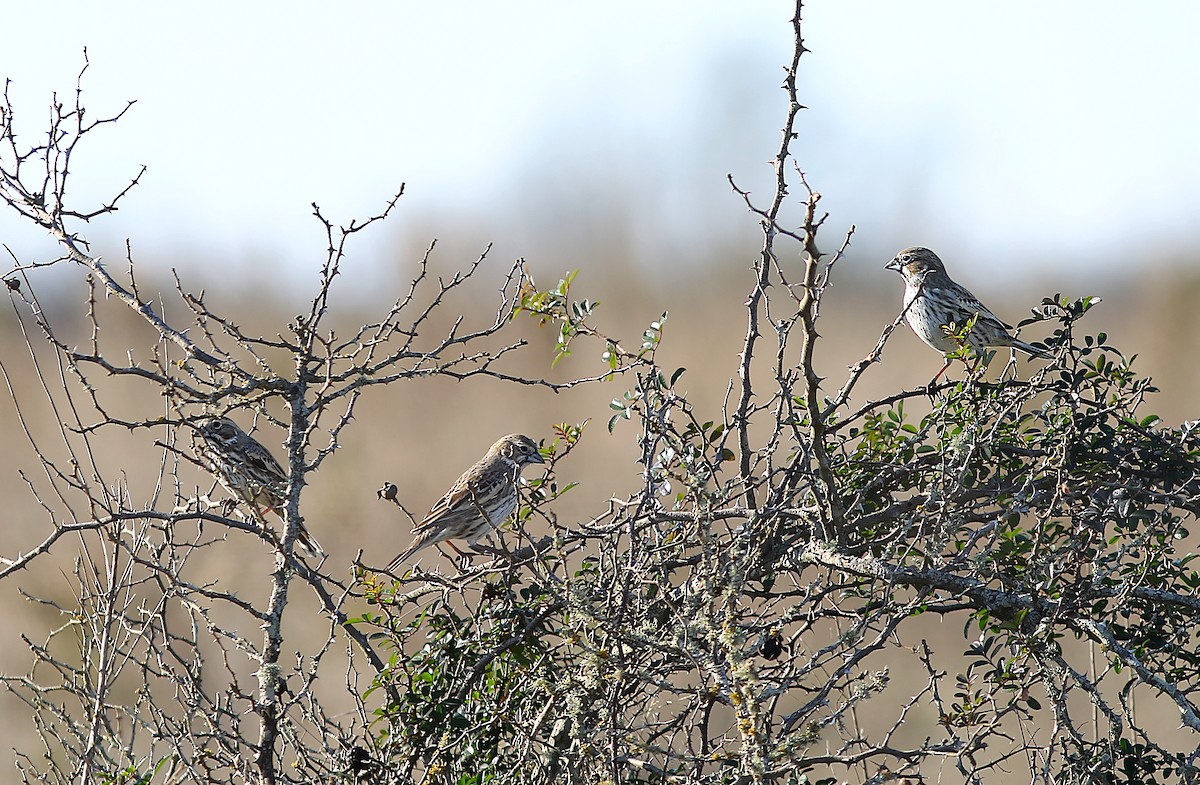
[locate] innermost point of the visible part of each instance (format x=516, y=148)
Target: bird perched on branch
x=478, y=501
x=937, y=308
x=248, y=471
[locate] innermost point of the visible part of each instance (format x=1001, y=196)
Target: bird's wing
x=460, y=493
x=990, y=318
x=432, y=527
x=261, y=459
x=973, y=308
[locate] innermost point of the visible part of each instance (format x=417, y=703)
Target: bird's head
x=915, y=263
x=519, y=449
x=219, y=429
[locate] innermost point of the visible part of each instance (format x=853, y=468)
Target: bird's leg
x=258, y=515
x=464, y=560
x=931, y=388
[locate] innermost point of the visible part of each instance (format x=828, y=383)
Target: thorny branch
x=146, y=574
x=758, y=606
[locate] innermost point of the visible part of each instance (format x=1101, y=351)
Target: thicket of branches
x=736, y=618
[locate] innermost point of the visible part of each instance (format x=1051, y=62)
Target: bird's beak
x=537, y=458
x=893, y=265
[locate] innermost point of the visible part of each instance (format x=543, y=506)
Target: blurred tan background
x=598, y=141
x=421, y=434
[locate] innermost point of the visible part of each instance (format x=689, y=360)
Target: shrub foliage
x=760, y=607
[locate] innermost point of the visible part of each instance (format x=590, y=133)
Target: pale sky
x=1015, y=135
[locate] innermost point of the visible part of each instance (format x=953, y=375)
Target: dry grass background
x=420, y=434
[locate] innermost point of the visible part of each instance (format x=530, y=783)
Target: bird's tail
x=308, y=545
x=403, y=557
x=1029, y=348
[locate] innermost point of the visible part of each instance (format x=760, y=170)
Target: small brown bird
x=479, y=501
x=248, y=471
x=933, y=302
